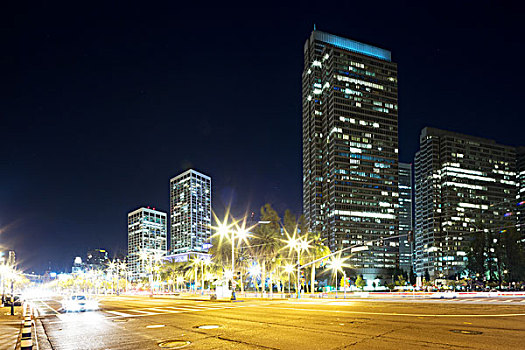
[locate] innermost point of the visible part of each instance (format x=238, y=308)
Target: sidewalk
x=10, y=327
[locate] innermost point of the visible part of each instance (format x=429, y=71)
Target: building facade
x=463, y=185
x=147, y=240
x=190, y=212
x=350, y=149
x=521, y=191
x=97, y=259
x=406, y=226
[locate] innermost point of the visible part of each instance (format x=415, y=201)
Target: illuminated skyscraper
x=521, y=191
x=405, y=217
x=147, y=235
x=463, y=185
x=350, y=149
x=190, y=212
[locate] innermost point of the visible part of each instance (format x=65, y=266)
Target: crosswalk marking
x=169, y=310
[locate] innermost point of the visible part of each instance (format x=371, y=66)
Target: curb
x=26, y=342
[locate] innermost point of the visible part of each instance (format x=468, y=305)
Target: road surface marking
x=146, y=312
x=119, y=313
x=49, y=307
x=389, y=313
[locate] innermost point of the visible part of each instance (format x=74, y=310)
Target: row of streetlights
x=296, y=243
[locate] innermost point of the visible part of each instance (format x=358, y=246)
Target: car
x=78, y=302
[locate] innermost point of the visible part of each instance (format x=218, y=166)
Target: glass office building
x=190, y=212
x=350, y=149
x=463, y=184
x=405, y=217
x=521, y=191
x=147, y=232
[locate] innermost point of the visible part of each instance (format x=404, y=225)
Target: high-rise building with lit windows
x=463, y=184
x=190, y=212
x=147, y=239
x=521, y=191
x=405, y=217
x=350, y=149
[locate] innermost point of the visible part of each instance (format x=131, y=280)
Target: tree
x=289, y=222
x=514, y=260
x=317, y=250
x=401, y=281
x=360, y=282
x=267, y=242
x=427, y=276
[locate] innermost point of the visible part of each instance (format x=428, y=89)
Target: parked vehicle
x=78, y=302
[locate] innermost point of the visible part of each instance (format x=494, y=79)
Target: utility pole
x=12, y=297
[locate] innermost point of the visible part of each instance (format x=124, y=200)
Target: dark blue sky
x=101, y=104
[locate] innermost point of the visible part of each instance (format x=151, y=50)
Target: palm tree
x=267, y=241
x=317, y=250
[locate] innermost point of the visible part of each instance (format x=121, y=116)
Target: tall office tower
x=97, y=259
x=521, y=191
x=147, y=240
x=463, y=185
x=406, y=228
x=190, y=212
x=350, y=149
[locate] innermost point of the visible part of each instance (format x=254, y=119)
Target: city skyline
x=75, y=115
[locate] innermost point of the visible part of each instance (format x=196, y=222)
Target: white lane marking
x=119, y=313
x=146, y=312
x=49, y=307
x=388, y=313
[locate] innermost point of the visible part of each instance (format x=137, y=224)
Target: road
x=144, y=323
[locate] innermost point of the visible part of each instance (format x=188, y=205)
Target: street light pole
x=298, y=271
x=12, y=297
x=233, y=264
x=202, y=271
x=336, y=284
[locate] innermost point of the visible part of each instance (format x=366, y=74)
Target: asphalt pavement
x=153, y=323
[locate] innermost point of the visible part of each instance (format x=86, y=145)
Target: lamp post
x=124, y=268
x=112, y=265
x=298, y=244
x=196, y=262
x=336, y=264
x=227, y=230
x=289, y=269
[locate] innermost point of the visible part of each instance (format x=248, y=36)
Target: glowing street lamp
x=298, y=244
x=336, y=264
x=225, y=230
x=124, y=268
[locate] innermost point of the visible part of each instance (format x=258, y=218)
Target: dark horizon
x=102, y=106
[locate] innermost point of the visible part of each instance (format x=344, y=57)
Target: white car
x=79, y=302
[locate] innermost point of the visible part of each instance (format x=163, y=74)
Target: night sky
x=101, y=105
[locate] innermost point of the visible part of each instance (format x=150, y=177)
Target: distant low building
x=78, y=265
